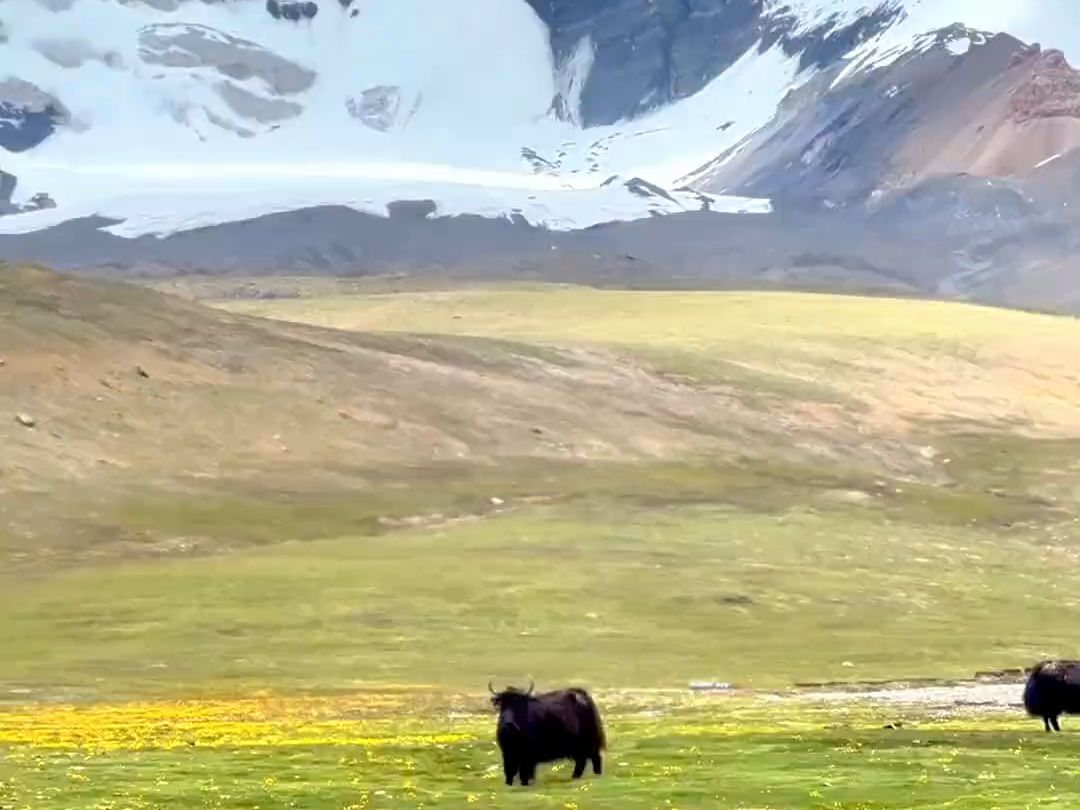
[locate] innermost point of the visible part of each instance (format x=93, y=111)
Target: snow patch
x=169, y=199
x=923, y=21
x=959, y=46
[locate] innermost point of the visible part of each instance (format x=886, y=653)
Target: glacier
x=183, y=113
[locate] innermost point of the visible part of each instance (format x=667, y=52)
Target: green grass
x=609, y=592
x=731, y=756
x=758, y=325
x=997, y=482
x=816, y=543
x=536, y=312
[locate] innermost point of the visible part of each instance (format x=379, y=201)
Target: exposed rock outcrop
x=249, y=105
x=1052, y=90
x=73, y=53
x=647, y=53
x=181, y=45
x=7, y=189
x=962, y=103
x=377, y=107
x=292, y=11
x=28, y=115
x=8, y=183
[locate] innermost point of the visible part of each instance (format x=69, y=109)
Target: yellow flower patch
x=244, y=723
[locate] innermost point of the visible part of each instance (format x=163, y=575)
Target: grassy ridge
x=855, y=368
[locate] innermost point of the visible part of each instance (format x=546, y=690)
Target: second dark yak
x=545, y=728
x=1053, y=689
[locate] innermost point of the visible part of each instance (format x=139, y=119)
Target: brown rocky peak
x=1051, y=90
x=1054, y=59
x=1025, y=53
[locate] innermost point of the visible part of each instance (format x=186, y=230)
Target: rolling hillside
x=270, y=560
x=111, y=391
x=904, y=362
x=148, y=436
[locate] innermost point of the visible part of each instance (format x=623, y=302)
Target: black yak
x=544, y=728
x=1053, y=689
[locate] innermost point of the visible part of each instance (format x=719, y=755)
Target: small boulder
x=25, y=420
x=40, y=202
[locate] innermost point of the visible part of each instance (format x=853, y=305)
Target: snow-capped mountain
x=165, y=115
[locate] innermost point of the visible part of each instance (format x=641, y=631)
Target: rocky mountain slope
x=970, y=103
x=930, y=144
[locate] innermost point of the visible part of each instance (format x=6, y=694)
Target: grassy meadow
x=371, y=751
x=293, y=578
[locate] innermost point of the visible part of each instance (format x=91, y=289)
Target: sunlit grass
x=420, y=750
x=608, y=593
x=323, y=642
x=925, y=358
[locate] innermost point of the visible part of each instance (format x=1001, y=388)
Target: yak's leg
x=510, y=769
x=1054, y=722
x=527, y=772
x=597, y=764
x=579, y=767
x=1046, y=723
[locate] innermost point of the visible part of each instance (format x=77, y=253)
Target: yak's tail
x=1031, y=701
x=585, y=699
x=1034, y=689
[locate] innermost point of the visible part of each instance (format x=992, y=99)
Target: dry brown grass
x=902, y=361
x=164, y=426
x=124, y=382
x=222, y=395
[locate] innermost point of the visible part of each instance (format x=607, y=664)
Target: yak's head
x=512, y=704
